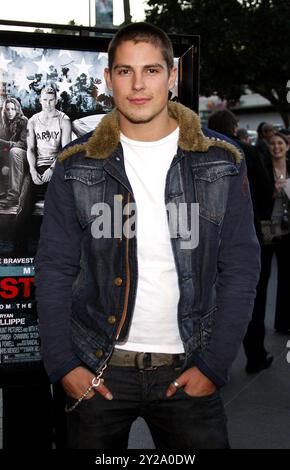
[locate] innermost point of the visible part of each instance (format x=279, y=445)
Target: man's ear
x=107, y=77
x=172, y=78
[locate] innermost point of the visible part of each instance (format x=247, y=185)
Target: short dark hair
x=223, y=121
x=242, y=133
x=50, y=89
x=142, y=32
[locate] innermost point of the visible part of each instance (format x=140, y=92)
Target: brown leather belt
x=145, y=361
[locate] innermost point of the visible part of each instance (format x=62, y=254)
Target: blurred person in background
x=278, y=206
x=272, y=204
x=243, y=136
x=225, y=122
x=286, y=132
x=265, y=131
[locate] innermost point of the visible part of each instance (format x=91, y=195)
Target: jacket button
x=111, y=319
x=99, y=353
x=118, y=281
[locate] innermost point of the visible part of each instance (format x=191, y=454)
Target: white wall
x=251, y=121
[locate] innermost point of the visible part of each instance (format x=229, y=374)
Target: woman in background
x=272, y=203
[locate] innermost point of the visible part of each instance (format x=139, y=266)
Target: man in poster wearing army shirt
x=47, y=133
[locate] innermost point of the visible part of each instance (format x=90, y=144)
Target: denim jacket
x=86, y=285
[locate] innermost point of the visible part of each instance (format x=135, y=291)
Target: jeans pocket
x=203, y=398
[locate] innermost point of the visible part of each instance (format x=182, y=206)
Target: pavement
x=257, y=406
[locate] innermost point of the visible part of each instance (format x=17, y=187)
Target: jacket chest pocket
x=211, y=188
x=89, y=189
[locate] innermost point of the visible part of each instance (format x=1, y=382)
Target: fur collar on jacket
x=106, y=136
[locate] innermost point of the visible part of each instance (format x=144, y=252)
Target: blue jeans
x=179, y=422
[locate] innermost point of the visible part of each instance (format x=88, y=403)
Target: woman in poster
x=13, y=161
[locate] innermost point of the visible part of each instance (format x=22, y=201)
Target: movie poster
x=47, y=98
x=19, y=341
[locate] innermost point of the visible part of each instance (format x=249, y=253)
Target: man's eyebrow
x=119, y=66
x=154, y=66
x=149, y=66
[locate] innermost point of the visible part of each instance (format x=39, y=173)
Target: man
x=243, y=135
x=47, y=133
x=265, y=132
x=145, y=324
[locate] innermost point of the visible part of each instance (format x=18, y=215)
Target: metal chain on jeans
x=95, y=384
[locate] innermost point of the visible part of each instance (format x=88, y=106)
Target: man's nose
x=138, y=81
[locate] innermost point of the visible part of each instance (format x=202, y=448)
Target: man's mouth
x=139, y=101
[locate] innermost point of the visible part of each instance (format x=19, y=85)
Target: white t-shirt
x=48, y=137
x=154, y=325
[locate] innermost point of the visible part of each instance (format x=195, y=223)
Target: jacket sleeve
x=21, y=137
x=238, y=274
x=57, y=265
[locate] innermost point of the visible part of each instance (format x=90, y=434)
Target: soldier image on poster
x=13, y=162
x=47, y=133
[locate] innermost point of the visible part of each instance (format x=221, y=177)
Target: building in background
x=104, y=13
x=251, y=109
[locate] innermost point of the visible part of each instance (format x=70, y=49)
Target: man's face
x=48, y=102
x=140, y=82
x=268, y=132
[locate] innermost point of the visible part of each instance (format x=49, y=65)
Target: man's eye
x=152, y=71
x=124, y=72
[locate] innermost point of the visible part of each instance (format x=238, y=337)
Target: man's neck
x=148, y=132
x=47, y=115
